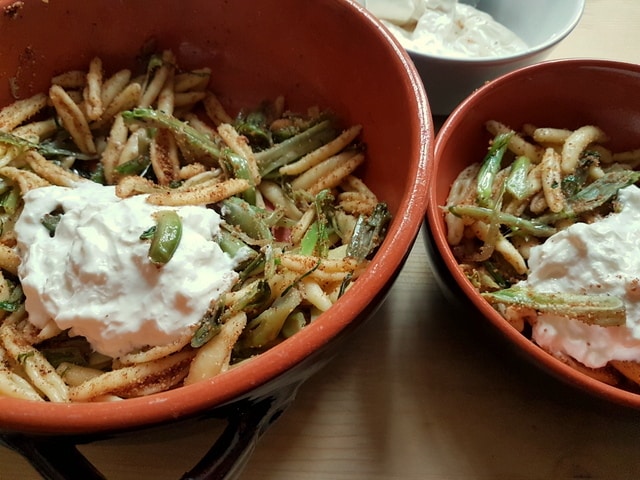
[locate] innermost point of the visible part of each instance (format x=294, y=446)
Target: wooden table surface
x=421, y=393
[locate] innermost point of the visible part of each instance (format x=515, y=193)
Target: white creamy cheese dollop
x=94, y=276
x=598, y=258
x=446, y=28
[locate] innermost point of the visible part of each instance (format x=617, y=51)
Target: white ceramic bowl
x=542, y=24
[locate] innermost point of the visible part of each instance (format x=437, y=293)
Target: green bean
x=594, y=195
x=255, y=266
x=253, y=300
x=368, y=232
x=603, y=310
x=602, y=189
x=310, y=239
x=237, y=166
x=496, y=276
x=266, y=327
x=8, y=306
x=295, y=147
x=155, y=62
x=575, y=181
x=166, y=238
x=233, y=246
x=191, y=141
x=46, y=149
x=490, y=167
x=316, y=240
x=256, y=299
x=136, y=166
x=249, y=219
x=324, y=202
x=97, y=175
x=533, y=227
x=70, y=354
x=255, y=127
x=516, y=183
x=209, y=326
x=293, y=324
x=294, y=125
x=51, y=220
x=9, y=200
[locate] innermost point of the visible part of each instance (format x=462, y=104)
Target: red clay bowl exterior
x=561, y=93
x=330, y=53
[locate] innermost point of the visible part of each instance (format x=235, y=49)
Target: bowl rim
x=92, y=418
x=532, y=51
x=434, y=223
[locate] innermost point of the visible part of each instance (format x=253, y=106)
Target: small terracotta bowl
x=330, y=53
x=563, y=93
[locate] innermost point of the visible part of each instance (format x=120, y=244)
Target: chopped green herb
x=148, y=233
x=51, y=220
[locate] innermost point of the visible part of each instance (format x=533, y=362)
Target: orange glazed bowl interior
x=329, y=53
x=563, y=94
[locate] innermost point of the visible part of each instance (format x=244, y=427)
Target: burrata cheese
x=597, y=258
x=94, y=277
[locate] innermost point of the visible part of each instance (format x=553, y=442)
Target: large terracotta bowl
x=329, y=53
x=562, y=93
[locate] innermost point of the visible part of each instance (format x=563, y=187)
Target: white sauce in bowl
x=94, y=276
x=446, y=28
x=598, y=258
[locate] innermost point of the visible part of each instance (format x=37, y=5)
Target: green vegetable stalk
x=490, y=168
x=368, y=232
x=191, y=141
x=533, y=226
x=603, y=310
x=602, y=189
x=15, y=299
x=236, y=166
x=266, y=327
x=46, y=149
x=249, y=219
x=594, y=195
x=295, y=147
x=316, y=240
x=516, y=183
x=255, y=127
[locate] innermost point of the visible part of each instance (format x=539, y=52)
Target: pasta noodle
x=214, y=357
